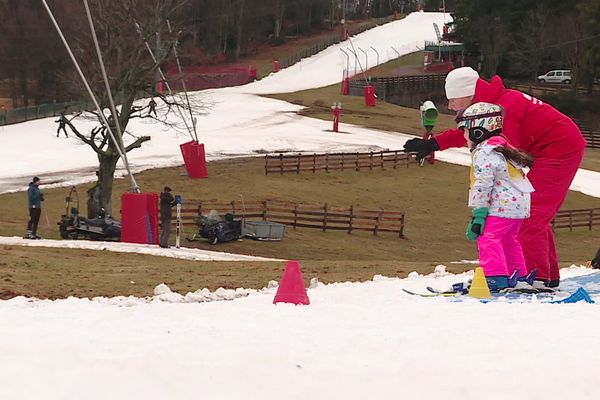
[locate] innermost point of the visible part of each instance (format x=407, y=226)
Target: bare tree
x=533, y=41
x=124, y=28
x=279, y=8
x=571, y=33
x=494, y=41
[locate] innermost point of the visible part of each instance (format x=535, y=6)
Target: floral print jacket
x=498, y=184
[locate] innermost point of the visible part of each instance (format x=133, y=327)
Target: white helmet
x=482, y=120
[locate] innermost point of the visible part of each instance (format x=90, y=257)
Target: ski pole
x=178, y=222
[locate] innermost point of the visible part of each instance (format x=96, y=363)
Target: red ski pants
x=551, y=178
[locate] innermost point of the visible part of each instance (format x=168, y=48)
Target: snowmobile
x=217, y=229
x=73, y=226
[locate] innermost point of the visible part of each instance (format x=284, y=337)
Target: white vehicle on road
x=556, y=76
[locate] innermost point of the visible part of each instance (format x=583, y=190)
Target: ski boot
x=544, y=286
x=523, y=284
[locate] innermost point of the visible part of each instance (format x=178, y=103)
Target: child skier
x=499, y=195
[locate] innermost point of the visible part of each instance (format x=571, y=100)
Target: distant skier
x=62, y=123
x=34, y=204
x=2, y=114
x=152, y=107
x=499, y=195
x=167, y=201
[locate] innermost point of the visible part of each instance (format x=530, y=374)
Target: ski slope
x=365, y=340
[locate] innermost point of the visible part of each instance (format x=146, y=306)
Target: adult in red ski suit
x=551, y=137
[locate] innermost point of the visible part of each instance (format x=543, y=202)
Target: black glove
x=596, y=261
x=41, y=196
x=422, y=147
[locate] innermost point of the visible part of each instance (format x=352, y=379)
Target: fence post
x=266, y=164
x=281, y=163
x=295, y=215
x=591, y=218
x=351, y=218
x=298, y=164
x=327, y=162
x=377, y=221
x=382, y=160
x=233, y=207
x=571, y=221
x=357, y=159
x=264, y=210
x=401, y=232
x=314, y=162
x=343, y=161
x=395, y=158
x=324, y=217
x=371, y=161
x=200, y=209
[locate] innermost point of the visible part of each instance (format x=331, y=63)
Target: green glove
x=477, y=223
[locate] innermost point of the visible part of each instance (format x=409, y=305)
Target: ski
x=503, y=291
x=446, y=294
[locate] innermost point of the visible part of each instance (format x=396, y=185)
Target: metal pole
x=183, y=81
x=366, y=59
x=444, y=7
x=162, y=75
x=397, y=52
x=347, y=62
x=89, y=90
x=355, y=59
x=178, y=226
x=113, y=109
x=376, y=52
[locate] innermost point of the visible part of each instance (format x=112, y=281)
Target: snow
x=355, y=340
x=181, y=253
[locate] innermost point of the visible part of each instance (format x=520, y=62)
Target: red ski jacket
x=529, y=124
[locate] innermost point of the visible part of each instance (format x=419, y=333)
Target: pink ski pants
x=499, y=250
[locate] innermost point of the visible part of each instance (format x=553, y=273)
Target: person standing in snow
x=34, y=204
x=499, y=195
x=152, y=107
x=531, y=125
x=167, y=201
x=62, y=122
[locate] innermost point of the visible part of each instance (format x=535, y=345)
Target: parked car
x=556, y=76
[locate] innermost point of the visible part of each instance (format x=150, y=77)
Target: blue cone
x=579, y=295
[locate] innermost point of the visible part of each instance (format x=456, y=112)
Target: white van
x=556, y=76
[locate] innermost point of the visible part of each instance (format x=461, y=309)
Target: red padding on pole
x=139, y=218
x=194, y=159
x=370, y=96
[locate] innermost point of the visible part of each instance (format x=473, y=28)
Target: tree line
x=35, y=68
x=525, y=38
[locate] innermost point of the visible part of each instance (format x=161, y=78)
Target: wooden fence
x=316, y=216
x=296, y=163
x=543, y=89
x=386, y=87
x=593, y=138
x=576, y=218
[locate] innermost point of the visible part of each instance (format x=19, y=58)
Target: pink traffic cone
x=291, y=287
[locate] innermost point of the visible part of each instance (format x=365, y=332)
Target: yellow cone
x=479, y=287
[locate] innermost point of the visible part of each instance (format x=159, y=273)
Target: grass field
x=433, y=197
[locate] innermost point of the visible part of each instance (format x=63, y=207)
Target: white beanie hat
x=460, y=82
